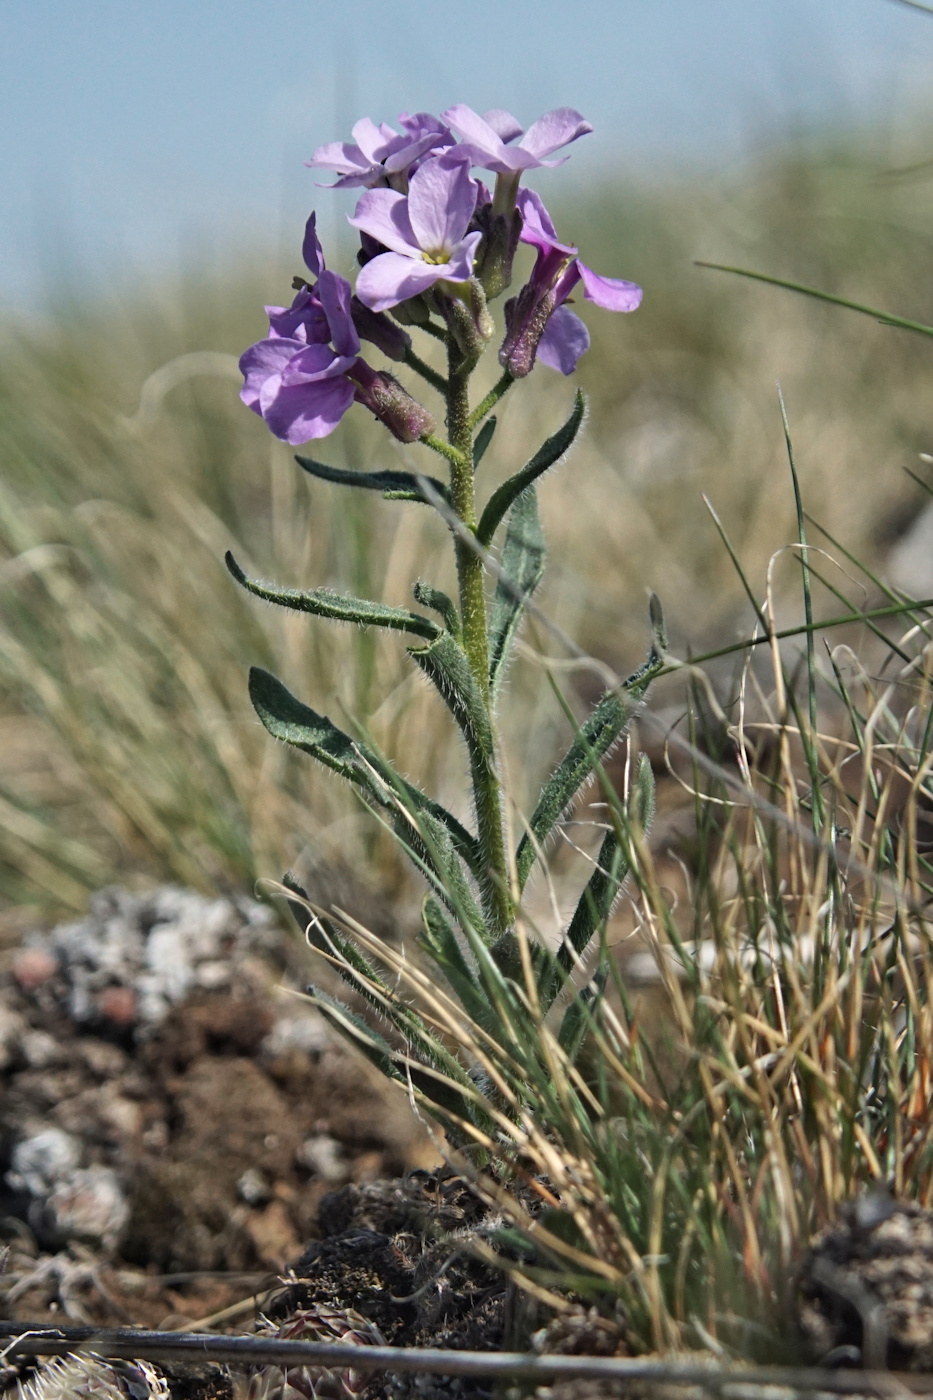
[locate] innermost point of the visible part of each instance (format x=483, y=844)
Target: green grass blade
x=883, y=316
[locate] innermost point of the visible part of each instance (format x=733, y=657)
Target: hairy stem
x=475, y=642
x=491, y=399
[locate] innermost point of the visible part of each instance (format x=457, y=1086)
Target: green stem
x=491, y=399
x=415, y=362
x=475, y=641
x=438, y=332
x=444, y=449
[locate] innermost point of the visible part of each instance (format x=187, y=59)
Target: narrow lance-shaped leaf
x=605, y=884
x=288, y=719
x=580, y=1015
x=439, y=602
x=522, y=567
x=395, y=486
x=323, y=602
x=440, y=942
x=546, y=456
x=380, y=1053
x=595, y=737
x=445, y=663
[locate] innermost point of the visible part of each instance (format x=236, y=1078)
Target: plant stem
x=475, y=643
x=491, y=399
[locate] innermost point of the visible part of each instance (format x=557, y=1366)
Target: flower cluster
x=434, y=241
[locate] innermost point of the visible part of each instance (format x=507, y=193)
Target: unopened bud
x=413, y=312
x=525, y=318
x=383, y=395
x=379, y=330
x=468, y=318
x=497, y=252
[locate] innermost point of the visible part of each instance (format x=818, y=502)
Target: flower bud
x=383, y=395
x=468, y=318
x=379, y=330
x=500, y=239
x=415, y=311
x=525, y=319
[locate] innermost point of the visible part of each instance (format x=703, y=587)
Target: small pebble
x=33, y=966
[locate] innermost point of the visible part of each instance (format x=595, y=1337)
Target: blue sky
x=136, y=133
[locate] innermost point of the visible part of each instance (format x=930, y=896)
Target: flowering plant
x=436, y=248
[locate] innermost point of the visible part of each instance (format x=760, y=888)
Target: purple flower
x=379, y=155
x=485, y=138
x=300, y=390
x=424, y=232
x=486, y=141
x=538, y=323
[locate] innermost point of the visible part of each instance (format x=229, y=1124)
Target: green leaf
x=439, y=602
x=288, y=719
x=482, y=441
x=546, y=456
x=440, y=855
x=579, y=1015
x=440, y=942
x=445, y=663
x=395, y=486
x=595, y=737
x=522, y=566
x=602, y=890
x=612, y=869
x=323, y=602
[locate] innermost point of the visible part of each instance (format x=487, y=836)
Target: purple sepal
x=383, y=395
x=380, y=331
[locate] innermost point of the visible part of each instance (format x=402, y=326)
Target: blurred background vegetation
x=129, y=749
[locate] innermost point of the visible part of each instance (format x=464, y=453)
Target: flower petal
x=335, y=294
x=537, y=224
x=611, y=293
x=343, y=157
x=372, y=139
x=314, y=363
x=300, y=412
x=565, y=339
x=311, y=249
x=441, y=201
x=553, y=130
x=503, y=124
x=472, y=129
x=262, y=361
x=383, y=214
x=392, y=277
x=407, y=155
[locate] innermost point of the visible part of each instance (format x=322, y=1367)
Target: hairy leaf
x=522, y=566
x=595, y=737
x=445, y=663
x=546, y=456
x=288, y=719
x=395, y=486
x=439, y=602
x=323, y=602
